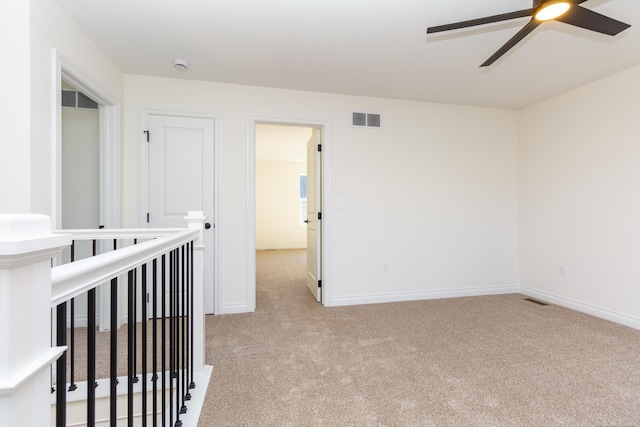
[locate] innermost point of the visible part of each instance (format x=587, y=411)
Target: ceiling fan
x=567, y=11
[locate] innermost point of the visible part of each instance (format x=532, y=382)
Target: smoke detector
x=180, y=64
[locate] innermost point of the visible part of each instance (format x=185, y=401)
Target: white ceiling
x=360, y=47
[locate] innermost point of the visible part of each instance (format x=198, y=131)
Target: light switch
x=339, y=204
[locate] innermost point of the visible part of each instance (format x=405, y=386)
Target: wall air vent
x=367, y=120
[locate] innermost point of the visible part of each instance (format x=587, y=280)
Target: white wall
x=433, y=194
x=14, y=108
x=80, y=168
x=278, y=205
x=580, y=198
x=51, y=28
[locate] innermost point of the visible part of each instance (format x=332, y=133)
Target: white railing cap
x=73, y=279
x=22, y=234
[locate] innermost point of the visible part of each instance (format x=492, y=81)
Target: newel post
x=195, y=221
x=26, y=249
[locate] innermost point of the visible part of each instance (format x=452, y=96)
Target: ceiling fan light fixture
x=552, y=9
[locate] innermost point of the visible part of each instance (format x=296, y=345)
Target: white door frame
x=253, y=120
x=109, y=146
x=143, y=179
x=109, y=111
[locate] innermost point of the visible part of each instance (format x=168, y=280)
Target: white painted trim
x=250, y=222
x=56, y=138
x=191, y=417
x=38, y=364
x=143, y=169
x=120, y=233
x=252, y=121
x=424, y=295
x=80, y=321
x=143, y=190
x=110, y=165
x=235, y=308
x=75, y=278
x=109, y=137
x=613, y=316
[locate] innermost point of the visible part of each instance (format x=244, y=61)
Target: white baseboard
x=234, y=309
x=78, y=321
x=623, y=319
x=423, y=295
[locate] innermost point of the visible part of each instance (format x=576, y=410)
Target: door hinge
x=319, y=215
x=319, y=283
x=147, y=298
x=147, y=132
x=319, y=147
x=147, y=216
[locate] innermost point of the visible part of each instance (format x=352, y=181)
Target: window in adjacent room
x=303, y=198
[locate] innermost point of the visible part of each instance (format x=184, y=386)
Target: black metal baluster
x=91, y=353
x=72, y=352
x=183, y=378
x=154, y=342
x=176, y=336
x=187, y=395
x=130, y=348
x=135, y=318
x=163, y=347
x=171, y=332
x=192, y=384
x=113, y=368
x=144, y=345
x=61, y=366
x=91, y=358
x=113, y=359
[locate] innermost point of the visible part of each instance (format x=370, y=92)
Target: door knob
x=306, y=221
x=207, y=225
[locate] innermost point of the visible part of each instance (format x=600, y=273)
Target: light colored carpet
x=482, y=361
x=103, y=347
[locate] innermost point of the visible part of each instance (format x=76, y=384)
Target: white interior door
x=314, y=209
x=181, y=162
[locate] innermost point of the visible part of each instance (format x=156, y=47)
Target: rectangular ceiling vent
x=365, y=120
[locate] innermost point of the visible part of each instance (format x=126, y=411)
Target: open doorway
x=80, y=180
x=80, y=160
x=85, y=148
x=287, y=204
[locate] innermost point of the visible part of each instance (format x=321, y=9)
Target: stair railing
x=167, y=264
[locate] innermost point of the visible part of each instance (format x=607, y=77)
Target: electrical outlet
x=562, y=270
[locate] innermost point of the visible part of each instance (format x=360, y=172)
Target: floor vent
x=535, y=301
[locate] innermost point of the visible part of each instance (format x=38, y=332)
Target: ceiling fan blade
x=512, y=42
x=590, y=20
x=481, y=21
